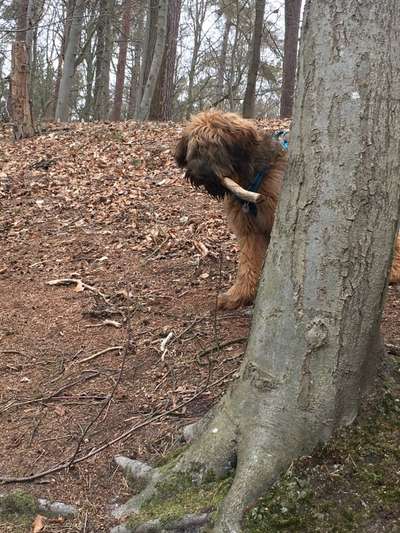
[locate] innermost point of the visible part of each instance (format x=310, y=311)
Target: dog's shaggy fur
x=216, y=145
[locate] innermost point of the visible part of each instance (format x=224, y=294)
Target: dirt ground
x=120, y=349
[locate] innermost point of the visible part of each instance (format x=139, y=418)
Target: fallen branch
x=97, y=354
x=79, y=285
x=217, y=347
x=123, y=436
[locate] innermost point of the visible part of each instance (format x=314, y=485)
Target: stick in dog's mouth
x=237, y=190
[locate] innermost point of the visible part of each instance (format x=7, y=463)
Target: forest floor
x=116, y=353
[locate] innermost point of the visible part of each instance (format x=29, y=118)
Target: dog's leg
x=251, y=258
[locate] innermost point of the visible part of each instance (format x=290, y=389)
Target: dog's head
x=216, y=144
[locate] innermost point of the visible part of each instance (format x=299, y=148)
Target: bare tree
x=315, y=338
x=123, y=51
x=144, y=108
x=292, y=21
x=250, y=94
x=68, y=72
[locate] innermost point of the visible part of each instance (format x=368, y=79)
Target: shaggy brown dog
x=216, y=145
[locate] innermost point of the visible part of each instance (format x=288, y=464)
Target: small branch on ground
x=97, y=354
x=79, y=286
x=217, y=347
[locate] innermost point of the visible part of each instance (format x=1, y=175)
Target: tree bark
x=292, y=20
x=198, y=15
x=148, y=52
x=249, y=100
x=144, y=109
x=161, y=105
x=21, y=109
x=121, y=65
x=136, y=59
x=67, y=78
x=61, y=58
x=103, y=60
x=314, y=343
x=222, y=60
x=20, y=105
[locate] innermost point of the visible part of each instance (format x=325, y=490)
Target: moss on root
x=351, y=484
x=178, y=496
x=17, y=510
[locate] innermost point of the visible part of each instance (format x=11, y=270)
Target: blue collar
x=250, y=207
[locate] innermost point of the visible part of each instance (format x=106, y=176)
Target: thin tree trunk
x=67, y=78
x=150, y=86
x=20, y=105
x=222, y=61
x=103, y=60
x=61, y=59
x=198, y=18
x=90, y=71
x=161, y=105
x=249, y=100
x=134, y=82
x=121, y=66
x=314, y=343
x=292, y=21
x=21, y=109
x=232, y=83
x=149, y=44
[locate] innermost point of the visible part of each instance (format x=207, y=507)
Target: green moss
x=349, y=485
x=178, y=496
x=18, y=503
x=171, y=457
x=17, y=510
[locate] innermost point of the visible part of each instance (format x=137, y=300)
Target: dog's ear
x=181, y=151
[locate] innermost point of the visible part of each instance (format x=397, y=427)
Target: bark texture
x=314, y=342
x=123, y=51
x=249, y=100
x=103, y=60
x=149, y=44
x=292, y=20
x=20, y=105
x=161, y=105
x=144, y=109
x=67, y=78
x=21, y=109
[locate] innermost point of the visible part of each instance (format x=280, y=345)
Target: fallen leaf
x=38, y=523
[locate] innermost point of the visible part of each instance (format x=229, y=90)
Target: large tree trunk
x=144, y=108
x=161, y=105
x=103, y=60
x=249, y=100
x=315, y=342
x=67, y=78
x=292, y=20
x=121, y=65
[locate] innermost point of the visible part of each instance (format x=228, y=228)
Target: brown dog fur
x=215, y=145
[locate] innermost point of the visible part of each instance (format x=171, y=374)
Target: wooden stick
x=237, y=190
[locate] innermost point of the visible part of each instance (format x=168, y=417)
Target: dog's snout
x=201, y=169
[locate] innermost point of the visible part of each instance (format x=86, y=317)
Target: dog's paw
x=228, y=301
